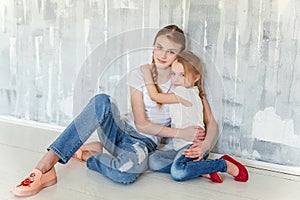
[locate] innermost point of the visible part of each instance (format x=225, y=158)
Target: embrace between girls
x=162, y=94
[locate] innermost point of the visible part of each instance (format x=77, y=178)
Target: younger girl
x=185, y=110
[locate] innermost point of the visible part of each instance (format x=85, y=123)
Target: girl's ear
x=197, y=78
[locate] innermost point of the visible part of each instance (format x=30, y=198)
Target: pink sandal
x=35, y=182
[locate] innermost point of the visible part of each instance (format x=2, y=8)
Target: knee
x=101, y=99
x=101, y=104
x=178, y=174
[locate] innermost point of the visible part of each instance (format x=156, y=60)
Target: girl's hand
x=191, y=134
x=145, y=68
x=197, y=150
x=200, y=136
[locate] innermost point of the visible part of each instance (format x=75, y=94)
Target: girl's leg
x=47, y=162
x=126, y=165
x=185, y=168
x=128, y=155
x=161, y=161
x=78, y=131
x=81, y=128
x=62, y=149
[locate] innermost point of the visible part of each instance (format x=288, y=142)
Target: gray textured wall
x=50, y=49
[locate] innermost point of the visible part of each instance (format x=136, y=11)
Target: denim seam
x=62, y=158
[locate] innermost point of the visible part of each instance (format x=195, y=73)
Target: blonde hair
x=192, y=66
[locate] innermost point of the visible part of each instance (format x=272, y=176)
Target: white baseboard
x=37, y=126
x=29, y=123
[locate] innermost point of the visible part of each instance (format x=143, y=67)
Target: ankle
x=206, y=175
x=42, y=168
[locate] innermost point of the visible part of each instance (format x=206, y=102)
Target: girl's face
x=165, y=51
x=178, y=78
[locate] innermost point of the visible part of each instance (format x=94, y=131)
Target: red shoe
x=243, y=173
x=35, y=182
x=215, y=177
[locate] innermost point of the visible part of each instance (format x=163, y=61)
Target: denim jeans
x=128, y=150
x=182, y=168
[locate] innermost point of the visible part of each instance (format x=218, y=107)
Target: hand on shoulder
x=145, y=68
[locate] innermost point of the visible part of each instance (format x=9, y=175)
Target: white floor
x=20, y=149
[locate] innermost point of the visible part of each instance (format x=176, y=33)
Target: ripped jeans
x=128, y=150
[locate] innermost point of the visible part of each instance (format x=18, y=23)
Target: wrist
x=205, y=146
x=176, y=134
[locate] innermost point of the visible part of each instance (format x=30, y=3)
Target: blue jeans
x=128, y=149
x=182, y=168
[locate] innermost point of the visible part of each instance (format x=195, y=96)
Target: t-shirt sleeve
x=135, y=79
x=181, y=92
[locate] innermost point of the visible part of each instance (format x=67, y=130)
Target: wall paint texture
x=56, y=54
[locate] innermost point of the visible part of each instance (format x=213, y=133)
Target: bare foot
x=87, y=150
x=93, y=146
x=87, y=154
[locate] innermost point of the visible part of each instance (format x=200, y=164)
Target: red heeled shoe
x=243, y=173
x=215, y=177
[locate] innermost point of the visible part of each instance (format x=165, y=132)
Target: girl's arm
x=211, y=125
x=144, y=125
x=198, y=149
x=168, y=98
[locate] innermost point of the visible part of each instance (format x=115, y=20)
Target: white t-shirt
x=155, y=114
x=183, y=116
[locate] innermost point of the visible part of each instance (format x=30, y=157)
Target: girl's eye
x=181, y=75
x=171, y=52
x=158, y=47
